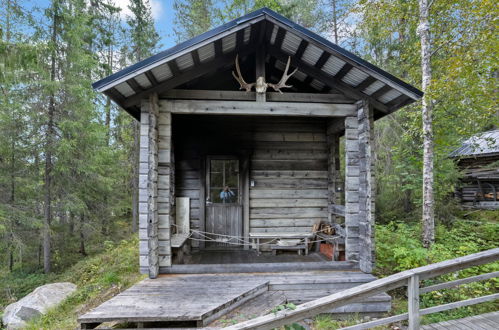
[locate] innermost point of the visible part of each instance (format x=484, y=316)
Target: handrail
x=409, y=278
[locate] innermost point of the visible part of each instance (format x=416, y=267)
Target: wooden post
x=246, y=199
x=366, y=186
x=260, y=70
x=333, y=164
x=352, y=189
x=166, y=184
x=413, y=302
x=152, y=188
x=359, y=187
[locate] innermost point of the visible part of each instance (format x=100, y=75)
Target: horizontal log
x=278, y=154
x=264, y=223
x=251, y=96
x=289, y=165
x=261, y=108
x=288, y=202
x=288, y=193
x=295, y=212
x=273, y=136
x=288, y=174
x=290, y=183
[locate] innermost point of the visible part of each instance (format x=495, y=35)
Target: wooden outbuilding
x=478, y=160
x=251, y=170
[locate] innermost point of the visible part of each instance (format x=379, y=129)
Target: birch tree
x=426, y=109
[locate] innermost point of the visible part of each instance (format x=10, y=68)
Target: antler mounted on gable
x=260, y=84
x=240, y=79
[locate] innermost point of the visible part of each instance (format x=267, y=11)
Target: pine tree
x=144, y=40
x=192, y=17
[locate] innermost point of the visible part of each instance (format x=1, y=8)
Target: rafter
x=328, y=80
x=182, y=78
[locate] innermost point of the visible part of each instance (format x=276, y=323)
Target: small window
x=224, y=181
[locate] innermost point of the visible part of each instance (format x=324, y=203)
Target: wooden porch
x=199, y=300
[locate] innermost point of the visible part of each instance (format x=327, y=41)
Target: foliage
x=464, y=78
x=279, y=308
x=398, y=248
x=76, y=175
x=98, y=278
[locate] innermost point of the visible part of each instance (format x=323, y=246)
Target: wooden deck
x=199, y=299
x=489, y=321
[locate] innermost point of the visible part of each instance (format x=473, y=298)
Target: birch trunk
x=335, y=22
x=428, y=199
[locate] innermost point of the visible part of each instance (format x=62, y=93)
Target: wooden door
x=223, y=203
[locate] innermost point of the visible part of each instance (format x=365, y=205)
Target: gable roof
x=478, y=145
x=321, y=64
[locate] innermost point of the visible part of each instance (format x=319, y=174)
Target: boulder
x=35, y=304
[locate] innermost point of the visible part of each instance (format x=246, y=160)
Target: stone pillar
x=359, y=187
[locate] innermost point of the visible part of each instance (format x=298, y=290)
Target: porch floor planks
x=198, y=298
x=202, y=298
x=488, y=321
x=260, y=305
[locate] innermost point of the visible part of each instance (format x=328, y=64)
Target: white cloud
x=156, y=8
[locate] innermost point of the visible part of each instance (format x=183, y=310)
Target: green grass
x=98, y=278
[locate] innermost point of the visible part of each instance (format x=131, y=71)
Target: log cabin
x=240, y=132
x=478, y=160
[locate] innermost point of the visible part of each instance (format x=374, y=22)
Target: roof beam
x=343, y=71
x=322, y=60
x=134, y=85
x=151, y=77
x=186, y=76
x=189, y=94
x=328, y=80
x=383, y=90
x=249, y=108
x=301, y=49
x=174, y=68
x=239, y=40
x=195, y=57
x=365, y=83
x=281, y=33
x=218, y=47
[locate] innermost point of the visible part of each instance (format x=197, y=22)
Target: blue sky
x=162, y=12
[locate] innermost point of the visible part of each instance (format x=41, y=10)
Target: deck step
x=258, y=306
x=194, y=300
x=259, y=267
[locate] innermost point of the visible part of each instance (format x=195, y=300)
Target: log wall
x=288, y=164
x=155, y=187
x=359, y=187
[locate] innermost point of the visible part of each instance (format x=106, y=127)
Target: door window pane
x=224, y=181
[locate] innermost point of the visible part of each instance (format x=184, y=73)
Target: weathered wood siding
x=359, y=187
x=289, y=169
x=155, y=188
x=288, y=164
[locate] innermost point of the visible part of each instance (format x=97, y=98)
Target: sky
x=162, y=11
x=163, y=14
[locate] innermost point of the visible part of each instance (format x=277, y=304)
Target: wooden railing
x=409, y=278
